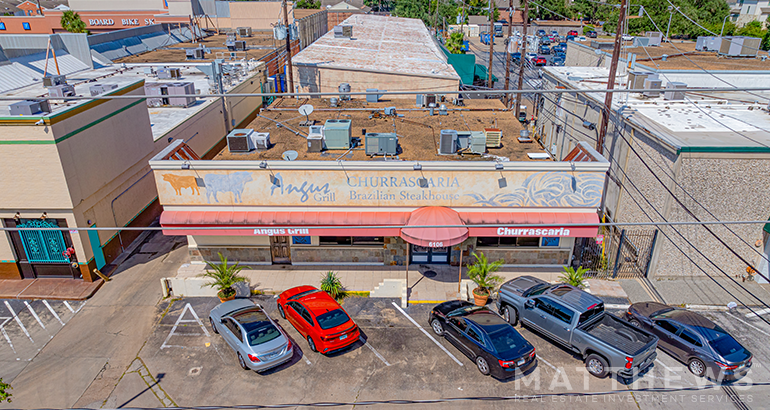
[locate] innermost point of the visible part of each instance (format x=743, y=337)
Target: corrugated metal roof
x=381, y=44
x=125, y=47
x=26, y=70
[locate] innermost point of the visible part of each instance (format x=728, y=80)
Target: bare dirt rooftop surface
x=418, y=132
x=176, y=53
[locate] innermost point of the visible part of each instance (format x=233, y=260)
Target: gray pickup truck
x=576, y=319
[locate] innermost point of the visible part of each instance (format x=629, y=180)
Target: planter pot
x=224, y=299
x=479, y=300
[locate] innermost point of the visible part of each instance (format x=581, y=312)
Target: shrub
x=223, y=276
x=330, y=283
x=482, y=274
x=574, y=277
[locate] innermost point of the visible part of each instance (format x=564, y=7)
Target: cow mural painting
x=180, y=182
x=232, y=183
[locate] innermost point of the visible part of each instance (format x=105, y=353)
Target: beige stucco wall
x=31, y=173
x=313, y=79
x=258, y=15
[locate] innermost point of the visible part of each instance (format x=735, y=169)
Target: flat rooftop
x=380, y=44
x=418, y=132
x=261, y=41
x=716, y=120
x=162, y=119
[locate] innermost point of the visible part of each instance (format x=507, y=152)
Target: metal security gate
x=43, y=246
x=623, y=254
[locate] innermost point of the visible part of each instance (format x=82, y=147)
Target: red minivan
x=318, y=318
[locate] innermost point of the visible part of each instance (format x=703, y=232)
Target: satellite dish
x=289, y=155
x=306, y=109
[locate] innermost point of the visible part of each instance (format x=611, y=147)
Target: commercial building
x=405, y=190
x=746, y=11
x=710, y=150
x=81, y=163
x=379, y=52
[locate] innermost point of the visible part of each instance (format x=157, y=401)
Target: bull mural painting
x=233, y=183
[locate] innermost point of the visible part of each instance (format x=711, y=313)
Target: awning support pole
x=460, y=271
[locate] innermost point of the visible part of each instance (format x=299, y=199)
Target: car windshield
x=263, y=334
x=506, y=340
x=332, y=319
x=726, y=345
x=537, y=289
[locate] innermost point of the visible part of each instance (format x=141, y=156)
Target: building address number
x=436, y=244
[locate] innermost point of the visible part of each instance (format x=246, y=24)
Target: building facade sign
x=529, y=189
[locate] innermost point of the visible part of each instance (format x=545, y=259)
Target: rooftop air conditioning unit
x=29, y=107
x=494, y=137
x=261, y=140
x=652, y=83
x=236, y=45
x=344, y=90
x=420, y=101
x=61, y=91
x=372, y=98
x=169, y=73
x=636, y=80
x=179, y=89
x=97, y=89
x=54, y=80
x=315, y=143
x=447, y=142
x=674, y=91
x=740, y=46
x=231, y=36
x=240, y=140
x=463, y=139
x=341, y=31
x=478, y=142
x=244, y=31
x=429, y=98
x=337, y=134
x=195, y=53
x=381, y=143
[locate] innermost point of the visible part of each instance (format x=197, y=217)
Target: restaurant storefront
x=380, y=213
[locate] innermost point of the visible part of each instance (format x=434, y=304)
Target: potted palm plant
x=223, y=276
x=482, y=274
x=331, y=284
x=574, y=277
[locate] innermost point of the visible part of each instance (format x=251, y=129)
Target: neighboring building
x=386, y=53
x=714, y=146
x=746, y=11
x=85, y=163
x=342, y=207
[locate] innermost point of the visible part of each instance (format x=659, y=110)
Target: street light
x=671, y=11
x=723, y=24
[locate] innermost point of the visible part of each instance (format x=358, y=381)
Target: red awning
x=268, y=223
x=444, y=232
x=550, y=224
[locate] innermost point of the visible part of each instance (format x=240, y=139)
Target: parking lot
x=184, y=363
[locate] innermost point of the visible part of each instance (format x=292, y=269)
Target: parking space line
x=540, y=358
x=53, y=312
x=664, y=366
x=2, y=329
x=757, y=313
x=749, y=324
x=68, y=306
x=34, y=314
x=16, y=317
x=427, y=334
x=376, y=353
x=179, y=320
x=306, y=359
x=80, y=307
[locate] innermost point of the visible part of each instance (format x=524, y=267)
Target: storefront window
x=554, y=242
x=26, y=26
x=348, y=240
x=300, y=240
x=508, y=241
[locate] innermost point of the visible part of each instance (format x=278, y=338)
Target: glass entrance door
x=424, y=254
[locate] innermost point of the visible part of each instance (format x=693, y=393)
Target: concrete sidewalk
x=50, y=288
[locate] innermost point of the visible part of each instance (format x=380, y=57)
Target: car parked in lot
x=592, y=34
x=545, y=41
x=570, y=38
x=573, y=33
x=544, y=49
x=252, y=334
x=516, y=57
x=559, y=48
x=706, y=348
x=318, y=318
x=577, y=320
x=539, y=61
x=554, y=33
x=482, y=335
x=541, y=33
x=558, y=60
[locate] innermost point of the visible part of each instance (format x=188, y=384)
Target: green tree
x=482, y=274
x=455, y=43
x=766, y=41
x=72, y=22
x=752, y=29
x=4, y=394
x=426, y=10
x=380, y=5
x=308, y=4
x=708, y=13
x=548, y=10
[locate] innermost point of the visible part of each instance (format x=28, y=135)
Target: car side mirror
x=529, y=304
x=222, y=321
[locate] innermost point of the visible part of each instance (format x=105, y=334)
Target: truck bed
x=618, y=334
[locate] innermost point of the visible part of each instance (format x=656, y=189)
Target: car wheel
x=281, y=312
x=597, y=366
x=311, y=344
x=634, y=322
x=438, y=328
x=213, y=327
x=483, y=366
x=510, y=315
x=697, y=367
x=242, y=362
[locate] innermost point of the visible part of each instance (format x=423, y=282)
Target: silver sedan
x=259, y=343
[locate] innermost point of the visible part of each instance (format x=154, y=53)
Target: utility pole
x=289, y=79
x=491, y=44
x=611, y=79
x=523, y=58
x=508, y=54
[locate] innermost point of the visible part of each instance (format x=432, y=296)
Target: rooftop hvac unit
x=708, y=43
x=315, y=143
x=429, y=98
x=344, y=90
x=169, y=94
x=337, y=134
x=652, y=83
x=447, y=142
x=231, y=36
x=261, y=140
x=463, y=139
x=420, y=101
x=237, y=45
x=97, y=89
x=636, y=80
x=478, y=142
x=494, y=137
x=169, y=73
x=655, y=38
x=740, y=46
x=54, y=80
x=194, y=54
x=381, y=143
x=29, y=107
x=149, y=71
x=673, y=91
x=341, y=31
x=373, y=98
x=315, y=130
x=61, y=91
x=240, y=140
x=244, y=31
